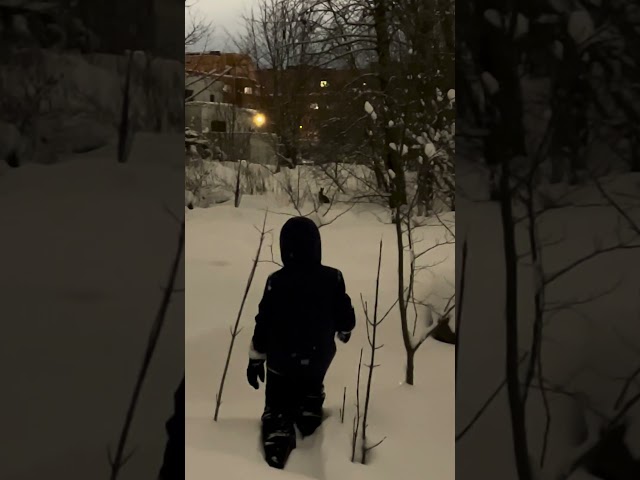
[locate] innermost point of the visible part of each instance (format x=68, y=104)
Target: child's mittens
x=255, y=371
x=344, y=336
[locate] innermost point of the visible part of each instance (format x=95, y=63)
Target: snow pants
x=294, y=398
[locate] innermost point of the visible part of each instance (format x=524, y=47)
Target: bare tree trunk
x=356, y=418
x=516, y=405
x=372, y=337
x=460, y=301
x=125, y=132
x=238, y=189
x=120, y=459
x=538, y=272
x=410, y=367
x=235, y=331
x=383, y=49
x=425, y=189
x=402, y=306
x=381, y=181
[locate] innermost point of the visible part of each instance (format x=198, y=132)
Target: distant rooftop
x=214, y=61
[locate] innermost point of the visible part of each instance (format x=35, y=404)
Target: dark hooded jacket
x=304, y=304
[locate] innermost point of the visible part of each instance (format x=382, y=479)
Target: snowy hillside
x=417, y=421
x=212, y=182
x=81, y=243
x=590, y=343
x=56, y=103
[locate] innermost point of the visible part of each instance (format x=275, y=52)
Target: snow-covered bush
x=63, y=102
x=346, y=183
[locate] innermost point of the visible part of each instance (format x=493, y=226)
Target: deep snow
x=417, y=421
x=591, y=334
x=86, y=246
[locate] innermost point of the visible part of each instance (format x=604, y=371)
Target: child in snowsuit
x=304, y=306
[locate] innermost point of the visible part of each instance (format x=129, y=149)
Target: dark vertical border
x=549, y=213
x=91, y=186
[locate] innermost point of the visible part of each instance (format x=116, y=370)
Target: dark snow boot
x=311, y=415
x=278, y=439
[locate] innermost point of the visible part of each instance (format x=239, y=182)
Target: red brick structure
x=236, y=72
x=311, y=92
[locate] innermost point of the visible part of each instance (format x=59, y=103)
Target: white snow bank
x=82, y=96
x=80, y=257
x=590, y=336
x=418, y=421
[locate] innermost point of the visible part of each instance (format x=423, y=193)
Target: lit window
x=324, y=84
x=314, y=106
x=248, y=90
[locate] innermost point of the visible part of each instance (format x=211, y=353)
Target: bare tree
x=305, y=200
x=210, y=78
x=29, y=93
x=580, y=104
x=237, y=194
x=235, y=330
x=121, y=457
x=198, y=28
x=357, y=416
x=396, y=50
x=406, y=240
x=126, y=131
x=275, y=35
x=408, y=129
x=372, y=329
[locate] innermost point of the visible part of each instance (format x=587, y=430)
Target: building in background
x=222, y=77
x=221, y=96
x=306, y=93
x=221, y=91
x=226, y=93
x=305, y=105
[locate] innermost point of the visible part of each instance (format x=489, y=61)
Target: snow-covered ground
x=591, y=338
x=86, y=245
x=213, y=182
x=417, y=421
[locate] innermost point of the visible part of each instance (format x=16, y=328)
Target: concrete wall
x=257, y=148
x=198, y=83
x=263, y=148
x=199, y=116
x=240, y=141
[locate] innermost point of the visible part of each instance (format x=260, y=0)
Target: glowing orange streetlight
x=259, y=120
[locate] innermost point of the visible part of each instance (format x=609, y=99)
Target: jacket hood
x=300, y=243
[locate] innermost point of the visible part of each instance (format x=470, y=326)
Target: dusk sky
x=226, y=17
